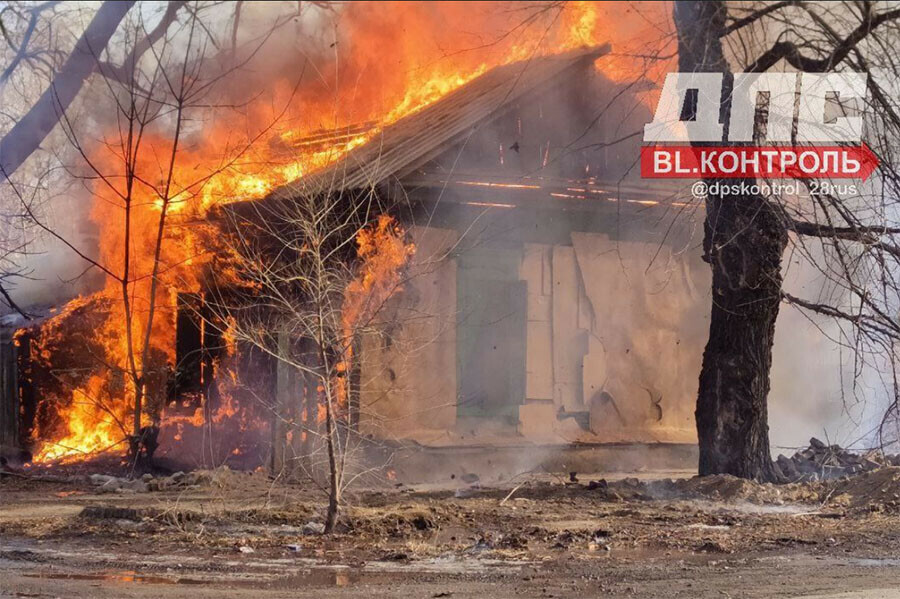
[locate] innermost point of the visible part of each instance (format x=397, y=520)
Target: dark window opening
x=198, y=342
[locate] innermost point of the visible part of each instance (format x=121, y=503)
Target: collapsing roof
x=413, y=140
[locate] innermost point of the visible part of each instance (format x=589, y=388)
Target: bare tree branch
x=27, y=134
x=123, y=72
x=22, y=51
x=757, y=15
x=791, y=52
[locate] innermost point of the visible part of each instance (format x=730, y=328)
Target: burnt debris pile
x=821, y=461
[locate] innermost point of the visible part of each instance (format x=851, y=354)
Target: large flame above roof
x=391, y=61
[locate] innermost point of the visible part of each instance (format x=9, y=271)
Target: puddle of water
x=335, y=576
x=449, y=564
x=872, y=562
x=274, y=572
x=105, y=576
x=132, y=577
x=863, y=562
x=320, y=577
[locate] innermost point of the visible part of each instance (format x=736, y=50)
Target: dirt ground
x=239, y=535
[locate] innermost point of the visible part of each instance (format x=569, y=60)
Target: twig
x=516, y=488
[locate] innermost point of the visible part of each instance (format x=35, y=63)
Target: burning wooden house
x=554, y=301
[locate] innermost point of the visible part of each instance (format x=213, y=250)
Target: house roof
x=413, y=140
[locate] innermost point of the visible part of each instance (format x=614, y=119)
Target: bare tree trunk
x=328, y=372
x=744, y=240
x=27, y=134
x=334, y=487
x=744, y=249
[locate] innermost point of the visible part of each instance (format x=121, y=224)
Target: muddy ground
x=239, y=535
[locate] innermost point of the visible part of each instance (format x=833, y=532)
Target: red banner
x=733, y=162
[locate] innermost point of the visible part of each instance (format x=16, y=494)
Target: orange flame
x=383, y=254
x=220, y=166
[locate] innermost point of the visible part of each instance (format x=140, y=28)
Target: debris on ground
x=222, y=477
x=821, y=461
x=875, y=491
x=313, y=528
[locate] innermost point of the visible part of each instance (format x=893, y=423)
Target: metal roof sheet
x=413, y=140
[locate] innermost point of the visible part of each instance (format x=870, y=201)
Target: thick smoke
x=326, y=66
x=345, y=64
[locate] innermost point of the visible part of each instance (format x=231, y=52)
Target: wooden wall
x=9, y=393
x=605, y=346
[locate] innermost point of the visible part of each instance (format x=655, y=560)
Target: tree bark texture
x=744, y=240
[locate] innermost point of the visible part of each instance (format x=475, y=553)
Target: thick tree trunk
x=743, y=243
x=27, y=134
